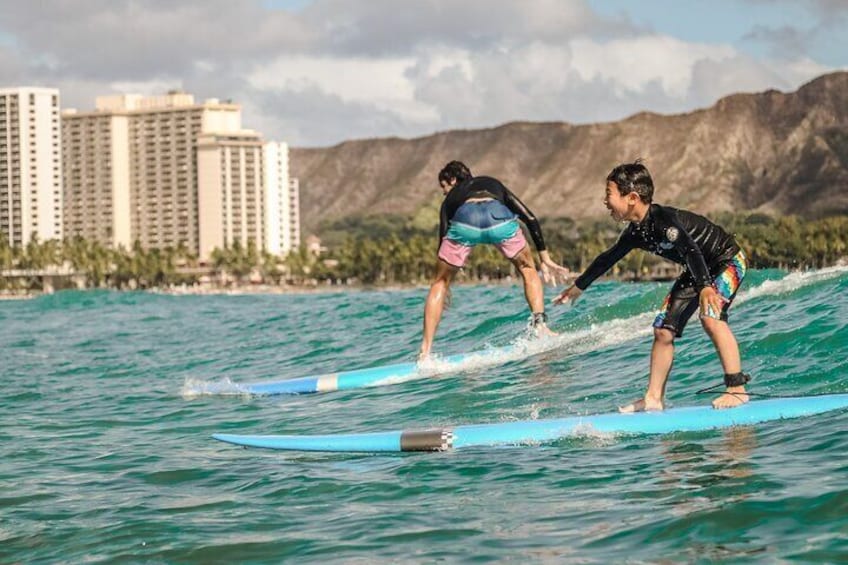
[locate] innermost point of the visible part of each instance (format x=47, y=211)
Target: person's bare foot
x=734, y=396
x=541, y=331
x=642, y=405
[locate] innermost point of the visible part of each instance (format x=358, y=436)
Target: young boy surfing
x=714, y=267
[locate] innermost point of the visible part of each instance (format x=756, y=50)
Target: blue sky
x=290, y=5
x=734, y=22
x=318, y=72
x=714, y=21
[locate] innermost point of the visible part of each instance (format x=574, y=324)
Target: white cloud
x=341, y=69
x=714, y=79
x=382, y=83
x=634, y=63
x=432, y=62
x=350, y=78
x=800, y=70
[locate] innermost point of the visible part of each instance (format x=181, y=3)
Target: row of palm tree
x=95, y=265
x=408, y=255
x=789, y=242
x=403, y=256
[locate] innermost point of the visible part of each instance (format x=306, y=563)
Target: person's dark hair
x=633, y=177
x=454, y=170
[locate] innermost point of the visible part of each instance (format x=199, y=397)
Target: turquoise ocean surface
x=106, y=455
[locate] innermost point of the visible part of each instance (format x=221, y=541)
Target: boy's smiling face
x=627, y=208
x=616, y=203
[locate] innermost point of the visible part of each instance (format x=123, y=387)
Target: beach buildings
x=282, y=200
x=231, y=206
x=30, y=165
x=167, y=171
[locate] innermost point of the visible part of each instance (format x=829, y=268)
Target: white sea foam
x=792, y=282
x=591, y=338
x=583, y=340
x=192, y=388
x=595, y=336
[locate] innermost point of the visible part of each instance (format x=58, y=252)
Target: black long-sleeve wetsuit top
x=488, y=187
x=678, y=235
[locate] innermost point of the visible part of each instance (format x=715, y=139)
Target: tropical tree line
x=394, y=250
x=407, y=255
x=87, y=264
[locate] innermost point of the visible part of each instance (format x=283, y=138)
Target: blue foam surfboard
x=342, y=380
x=360, y=378
x=687, y=419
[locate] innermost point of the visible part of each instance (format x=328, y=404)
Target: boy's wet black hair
x=633, y=177
x=454, y=170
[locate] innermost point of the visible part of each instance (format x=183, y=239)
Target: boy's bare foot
x=642, y=405
x=734, y=396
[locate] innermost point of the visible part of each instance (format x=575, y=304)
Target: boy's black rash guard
x=487, y=187
x=678, y=235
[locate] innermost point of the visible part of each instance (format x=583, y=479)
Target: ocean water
x=106, y=455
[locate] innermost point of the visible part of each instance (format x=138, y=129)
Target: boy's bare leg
x=662, y=357
x=435, y=305
x=728, y=352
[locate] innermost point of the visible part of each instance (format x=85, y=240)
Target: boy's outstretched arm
x=571, y=293
x=599, y=266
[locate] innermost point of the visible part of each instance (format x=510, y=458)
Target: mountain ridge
x=770, y=152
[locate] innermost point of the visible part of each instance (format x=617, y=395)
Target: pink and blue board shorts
x=479, y=222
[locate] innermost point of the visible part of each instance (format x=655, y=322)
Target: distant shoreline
x=266, y=289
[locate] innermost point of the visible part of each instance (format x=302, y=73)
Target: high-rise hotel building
x=96, y=170
x=245, y=193
x=282, y=200
x=30, y=165
x=294, y=210
x=165, y=171
x=132, y=168
x=230, y=195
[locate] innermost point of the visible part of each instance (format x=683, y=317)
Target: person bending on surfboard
x=714, y=266
x=480, y=210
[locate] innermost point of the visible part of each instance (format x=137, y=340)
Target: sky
x=319, y=72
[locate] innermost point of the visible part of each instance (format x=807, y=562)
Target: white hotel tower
x=132, y=170
x=282, y=200
x=30, y=165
